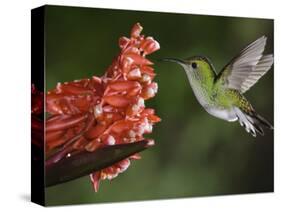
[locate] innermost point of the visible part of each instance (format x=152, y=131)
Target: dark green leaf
x=85, y=163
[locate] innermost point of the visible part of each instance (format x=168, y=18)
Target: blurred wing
x=247, y=67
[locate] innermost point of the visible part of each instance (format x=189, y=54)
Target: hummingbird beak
x=174, y=60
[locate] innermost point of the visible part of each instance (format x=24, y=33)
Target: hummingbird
x=221, y=94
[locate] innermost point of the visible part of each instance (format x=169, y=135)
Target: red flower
x=92, y=113
x=37, y=125
x=37, y=99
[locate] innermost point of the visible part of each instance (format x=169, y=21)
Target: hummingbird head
x=198, y=67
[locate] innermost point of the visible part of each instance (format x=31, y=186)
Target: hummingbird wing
x=247, y=67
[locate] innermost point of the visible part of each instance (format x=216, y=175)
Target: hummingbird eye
x=194, y=65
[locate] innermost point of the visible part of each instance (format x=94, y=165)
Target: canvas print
x=135, y=105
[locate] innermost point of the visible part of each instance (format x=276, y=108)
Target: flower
x=92, y=113
x=37, y=100
x=37, y=124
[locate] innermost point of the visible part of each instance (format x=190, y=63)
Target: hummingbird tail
x=252, y=122
x=263, y=121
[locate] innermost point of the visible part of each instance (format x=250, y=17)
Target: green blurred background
x=195, y=154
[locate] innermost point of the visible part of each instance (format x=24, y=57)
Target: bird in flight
x=221, y=95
